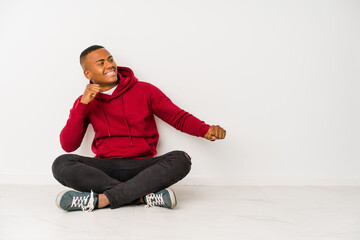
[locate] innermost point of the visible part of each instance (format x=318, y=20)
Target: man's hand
x=215, y=132
x=90, y=92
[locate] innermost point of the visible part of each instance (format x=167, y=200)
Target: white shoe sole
x=58, y=198
x=172, y=197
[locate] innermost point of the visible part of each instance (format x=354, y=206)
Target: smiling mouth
x=111, y=73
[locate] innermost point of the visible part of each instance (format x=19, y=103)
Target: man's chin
x=110, y=82
x=107, y=81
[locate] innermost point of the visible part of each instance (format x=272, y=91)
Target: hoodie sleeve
x=73, y=133
x=167, y=111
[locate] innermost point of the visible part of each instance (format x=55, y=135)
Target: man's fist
x=215, y=132
x=90, y=92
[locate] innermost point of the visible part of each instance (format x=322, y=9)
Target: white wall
x=282, y=77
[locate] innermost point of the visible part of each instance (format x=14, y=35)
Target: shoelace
x=153, y=199
x=80, y=201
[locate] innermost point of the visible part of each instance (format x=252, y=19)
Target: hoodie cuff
x=80, y=108
x=204, y=129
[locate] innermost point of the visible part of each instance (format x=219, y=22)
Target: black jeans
x=123, y=181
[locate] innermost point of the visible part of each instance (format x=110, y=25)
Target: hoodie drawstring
x=107, y=123
x=126, y=121
x=127, y=124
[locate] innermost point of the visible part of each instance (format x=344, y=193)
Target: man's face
x=100, y=68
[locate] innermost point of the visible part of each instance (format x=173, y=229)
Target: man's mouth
x=110, y=73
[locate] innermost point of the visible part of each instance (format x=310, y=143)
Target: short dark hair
x=89, y=50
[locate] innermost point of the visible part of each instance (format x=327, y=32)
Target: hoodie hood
x=127, y=79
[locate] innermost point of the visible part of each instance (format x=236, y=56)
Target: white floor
x=203, y=212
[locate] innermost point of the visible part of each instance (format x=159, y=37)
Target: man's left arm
x=167, y=111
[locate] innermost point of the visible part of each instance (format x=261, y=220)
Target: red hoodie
x=124, y=122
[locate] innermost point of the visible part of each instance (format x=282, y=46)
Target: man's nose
x=109, y=64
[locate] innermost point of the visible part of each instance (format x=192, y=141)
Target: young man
x=121, y=110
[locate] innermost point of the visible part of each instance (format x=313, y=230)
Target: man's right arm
x=73, y=133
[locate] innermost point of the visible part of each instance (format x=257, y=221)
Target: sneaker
x=71, y=200
x=164, y=198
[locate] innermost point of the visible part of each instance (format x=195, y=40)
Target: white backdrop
x=282, y=77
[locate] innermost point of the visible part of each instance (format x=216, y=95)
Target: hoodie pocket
x=120, y=147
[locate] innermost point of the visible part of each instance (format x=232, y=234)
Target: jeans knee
x=185, y=161
x=59, y=163
x=181, y=153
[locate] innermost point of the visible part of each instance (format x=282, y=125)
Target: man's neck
x=107, y=88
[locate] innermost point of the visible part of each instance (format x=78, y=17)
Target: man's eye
x=111, y=60
x=101, y=63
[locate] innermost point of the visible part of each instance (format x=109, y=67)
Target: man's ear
x=87, y=74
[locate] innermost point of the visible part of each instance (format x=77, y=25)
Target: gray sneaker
x=71, y=200
x=164, y=198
